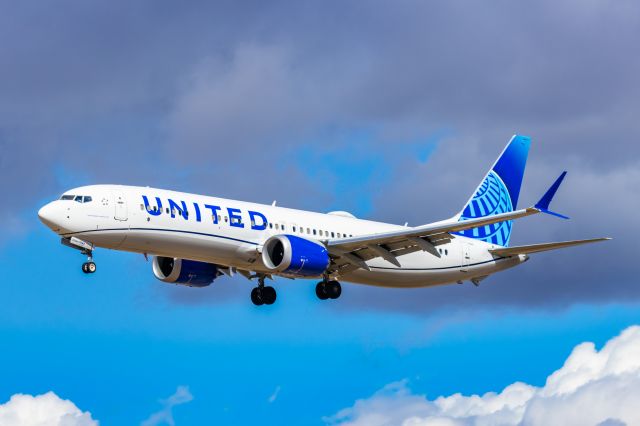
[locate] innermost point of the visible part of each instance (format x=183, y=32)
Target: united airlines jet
x=195, y=239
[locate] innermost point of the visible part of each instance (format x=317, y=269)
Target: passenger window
x=333, y=235
x=308, y=231
x=282, y=226
x=314, y=232
x=167, y=210
x=226, y=219
x=294, y=229
x=141, y=206
x=271, y=225
x=446, y=252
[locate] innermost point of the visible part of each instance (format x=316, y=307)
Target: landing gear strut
x=326, y=289
x=262, y=295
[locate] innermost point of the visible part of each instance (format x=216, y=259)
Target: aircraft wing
x=535, y=248
x=348, y=254
x=351, y=253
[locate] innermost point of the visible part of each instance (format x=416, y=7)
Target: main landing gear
x=262, y=295
x=328, y=289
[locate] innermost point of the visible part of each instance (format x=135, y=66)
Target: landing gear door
x=120, y=203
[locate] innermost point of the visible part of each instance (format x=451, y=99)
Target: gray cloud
x=219, y=98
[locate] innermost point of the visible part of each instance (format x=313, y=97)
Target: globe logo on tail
x=491, y=198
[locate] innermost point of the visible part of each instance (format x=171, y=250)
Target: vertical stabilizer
x=498, y=193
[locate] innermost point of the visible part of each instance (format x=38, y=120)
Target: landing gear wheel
x=257, y=297
x=262, y=295
x=333, y=289
x=89, y=267
x=321, y=290
x=269, y=295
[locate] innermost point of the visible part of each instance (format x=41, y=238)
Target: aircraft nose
x=47, y=216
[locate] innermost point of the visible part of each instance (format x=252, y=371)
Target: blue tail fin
x=498, y=193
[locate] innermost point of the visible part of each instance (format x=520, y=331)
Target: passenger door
x=120, y=203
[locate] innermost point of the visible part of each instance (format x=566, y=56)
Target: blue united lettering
x=257, y=220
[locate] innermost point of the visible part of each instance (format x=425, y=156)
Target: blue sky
x=117, y=342
x=114, y=344
x=390, y=112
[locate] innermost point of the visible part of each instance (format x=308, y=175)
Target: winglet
x=543, y=204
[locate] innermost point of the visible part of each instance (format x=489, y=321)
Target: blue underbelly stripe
x=162, y=230
x=435, y=269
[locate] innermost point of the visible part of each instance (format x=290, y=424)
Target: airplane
x=195, y=239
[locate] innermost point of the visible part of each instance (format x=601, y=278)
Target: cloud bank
x=592, y=388
x=43, y=410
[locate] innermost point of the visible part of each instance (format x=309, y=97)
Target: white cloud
x=274, y=395
x=165, y=416
x=43, y=410
x=592, y=388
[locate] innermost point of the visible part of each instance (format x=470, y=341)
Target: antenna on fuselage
x=274, y=203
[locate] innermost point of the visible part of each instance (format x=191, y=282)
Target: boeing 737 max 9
x=194, y=238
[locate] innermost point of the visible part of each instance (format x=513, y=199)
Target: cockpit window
x=77, y=198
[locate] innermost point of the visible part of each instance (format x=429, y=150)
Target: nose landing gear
x=262, y=295
x=89, y=267
x=328, y=290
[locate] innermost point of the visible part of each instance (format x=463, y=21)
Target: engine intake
x=184, y=272
x=293, y=255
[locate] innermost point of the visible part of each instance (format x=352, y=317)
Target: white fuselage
x=230, y=233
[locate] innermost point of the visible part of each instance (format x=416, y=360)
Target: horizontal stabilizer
x=535, y=248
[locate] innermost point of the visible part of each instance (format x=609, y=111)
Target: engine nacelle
x=293, y=255
x=184, y=272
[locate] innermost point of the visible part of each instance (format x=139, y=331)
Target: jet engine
x=184, y=272
x=296, y=256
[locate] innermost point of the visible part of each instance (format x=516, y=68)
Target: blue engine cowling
x=184, y=272
x=293, y=255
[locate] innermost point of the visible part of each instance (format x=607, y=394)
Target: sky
x=392, y=111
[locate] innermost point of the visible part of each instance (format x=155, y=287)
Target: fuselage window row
x=218, y=219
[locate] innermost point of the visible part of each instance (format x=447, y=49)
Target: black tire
x=269, y=295
x=334, y=289
x=321, y=291
x=257, y=297
x=91, y=267
x=85, y=268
